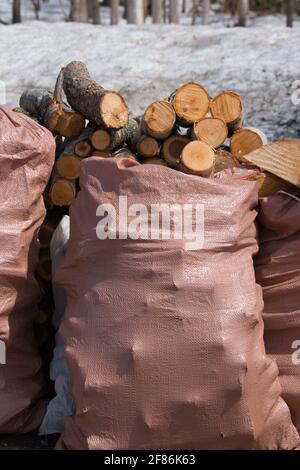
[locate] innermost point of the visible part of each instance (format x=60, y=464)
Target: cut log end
x=62, y=192
x=191, y=102
x=172, y=149
x=100, y=139
x=245, y=140
x=113, y=110
x=83, y=148
x=281, y=158
x=159, y=119
x=228, y=106
x=210, y=130
x=198, y=158
x=68, y=166
x=69, y=124
x=147, y=147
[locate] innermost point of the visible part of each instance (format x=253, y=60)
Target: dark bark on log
x=52, y=114
x=124, y=152
x=105, y=108
x=122, y=136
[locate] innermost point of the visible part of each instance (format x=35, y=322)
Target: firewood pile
x=189, y=131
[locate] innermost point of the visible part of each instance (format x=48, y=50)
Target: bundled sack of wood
x=278, y=272
x=163, y=324
x=61, y=405
x=27, y=156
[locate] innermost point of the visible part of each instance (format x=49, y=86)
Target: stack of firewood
x=188, y=132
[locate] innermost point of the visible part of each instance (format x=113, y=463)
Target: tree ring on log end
x=62, y=192
x=191, y=102
x=159, y=119
x=197, y=157
x=113, y=110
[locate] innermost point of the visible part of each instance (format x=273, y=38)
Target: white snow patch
x=148, y=62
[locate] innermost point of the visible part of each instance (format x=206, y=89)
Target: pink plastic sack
x=26, y=159
x=278, y=271
x=164, y=337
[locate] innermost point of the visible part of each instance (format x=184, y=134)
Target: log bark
x=157, y=11
x=172, y=149
x=154, y=161
x=165, y=11
x=197, y=158
x=281, y=158
x=245, y=140
x=224, y=160
x=229, y=107
x=211, y=130
x=101, y=153
x=20, y=110
x=52, y=114
x=44, y=266
x=135, y=12
x=290, y=10
x=94, y=11
x=124, y=152
x=121, y=137
x=16, y=11
x=269, y=185
x=114, y=11
x=174, y=11
x=105, y=108
x=79, y=11
x=159, y=120
x=191, y=103
x=205, y=11
x=243, y=10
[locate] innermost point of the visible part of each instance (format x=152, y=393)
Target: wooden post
x=157, y=11
x=290, y=8
x=16, y=11
x=114, y=11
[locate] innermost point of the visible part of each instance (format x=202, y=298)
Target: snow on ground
x=148, y=62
